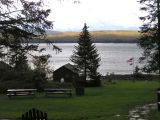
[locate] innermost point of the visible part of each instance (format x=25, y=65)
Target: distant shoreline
x=140, y=77
x=132, y=42
x=117, y=36
x=97, y=37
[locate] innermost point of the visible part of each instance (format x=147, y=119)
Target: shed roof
x=69, y=67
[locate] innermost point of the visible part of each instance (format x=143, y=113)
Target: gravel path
x=141, y=113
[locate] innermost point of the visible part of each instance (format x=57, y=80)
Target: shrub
x=52, y=84
x=22, y=79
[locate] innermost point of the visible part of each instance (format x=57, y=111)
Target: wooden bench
x=57, y=91
x=21, y=92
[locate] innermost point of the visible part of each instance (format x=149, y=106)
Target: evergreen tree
x=21, y=21
x=41, y=71
x=150, y=35
x=85, y=56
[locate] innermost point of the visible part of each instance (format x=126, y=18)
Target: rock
x=140, y=113
x=118, y=115
x=136, y=116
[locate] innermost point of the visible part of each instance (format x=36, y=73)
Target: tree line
x=22, y=21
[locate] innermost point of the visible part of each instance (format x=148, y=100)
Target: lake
x=113, y=56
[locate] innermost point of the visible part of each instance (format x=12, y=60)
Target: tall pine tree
x=150, y=35
x=85, y=56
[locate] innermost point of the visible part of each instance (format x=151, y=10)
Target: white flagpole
x=133, y=65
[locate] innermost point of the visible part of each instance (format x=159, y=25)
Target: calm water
x=113, y=56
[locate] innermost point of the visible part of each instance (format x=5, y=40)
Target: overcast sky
x=98, y=14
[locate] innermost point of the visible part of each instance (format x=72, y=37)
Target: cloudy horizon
x=98, y=14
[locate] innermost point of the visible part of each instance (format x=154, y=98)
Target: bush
x=94, y=83
x=14, y=85
x=39, y=80
x=22, y=79
x=52, y=84
x=80, y=91
x=131, y=77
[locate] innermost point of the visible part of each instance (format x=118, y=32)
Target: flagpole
x=133, y=65
x=131, y=62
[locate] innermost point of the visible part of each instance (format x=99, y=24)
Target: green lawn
x=102, y=103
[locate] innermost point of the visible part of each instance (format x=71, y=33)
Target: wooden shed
x=66, y=73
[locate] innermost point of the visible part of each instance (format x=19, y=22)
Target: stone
x=140, y=113
x=136, y=116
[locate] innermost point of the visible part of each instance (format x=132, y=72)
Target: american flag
x=130, y=60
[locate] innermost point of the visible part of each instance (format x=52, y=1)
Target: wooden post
x=158, y=98
x=38, y=115
x=34, y=114
x=30, y=114
x=41, y=115
x=45, y=116
x=27, y=116
x=23, y=118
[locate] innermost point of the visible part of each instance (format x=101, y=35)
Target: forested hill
x=97, y=36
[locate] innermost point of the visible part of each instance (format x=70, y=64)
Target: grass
x=102, y=103
x=154, y=115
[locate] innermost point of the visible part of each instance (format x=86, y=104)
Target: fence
x=34, y=114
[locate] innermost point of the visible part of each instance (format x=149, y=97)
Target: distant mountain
x=118, y=36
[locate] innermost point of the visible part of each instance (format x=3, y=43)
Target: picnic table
x=21, y=92
x=60, y=91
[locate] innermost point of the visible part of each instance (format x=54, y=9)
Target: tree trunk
x=158, y=9
x=85, y=72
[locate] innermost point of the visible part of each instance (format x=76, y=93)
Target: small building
x=67, y=73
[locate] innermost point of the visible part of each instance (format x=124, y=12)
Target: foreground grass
x=104, y=103
x=154, y=115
